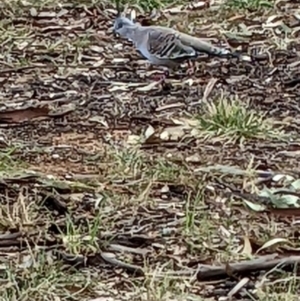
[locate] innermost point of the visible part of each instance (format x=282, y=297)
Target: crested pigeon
x=165, y=46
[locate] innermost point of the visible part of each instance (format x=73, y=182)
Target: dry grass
x=113, y=165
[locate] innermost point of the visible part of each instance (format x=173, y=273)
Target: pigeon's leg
x=161, y=77
x=191, y=68
x=157, y=76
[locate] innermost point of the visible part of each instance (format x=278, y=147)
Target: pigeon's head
x=123, y=26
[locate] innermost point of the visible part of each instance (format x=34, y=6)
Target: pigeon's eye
x=118, y=25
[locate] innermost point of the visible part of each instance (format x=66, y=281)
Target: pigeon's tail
x=202, y=46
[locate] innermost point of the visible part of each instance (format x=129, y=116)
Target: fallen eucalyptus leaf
x=149, y=132
x=254, y=207
x=296, y=184
x=272, y=242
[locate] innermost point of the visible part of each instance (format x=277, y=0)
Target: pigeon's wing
x=202, y=46
x=199, y=45
x=167, y=46
x=205, y=47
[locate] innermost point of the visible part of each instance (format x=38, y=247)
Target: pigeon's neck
x=133, y=33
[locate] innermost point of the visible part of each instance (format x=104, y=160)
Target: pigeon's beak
x=114, y=32
x=116, y=35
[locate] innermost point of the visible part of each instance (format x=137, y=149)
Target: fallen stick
x=205, y=272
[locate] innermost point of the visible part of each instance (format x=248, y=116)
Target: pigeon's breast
x=144, y=51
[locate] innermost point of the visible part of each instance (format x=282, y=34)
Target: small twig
x=248, y=196
x=209, y=87
x=111, y=259
x=287, y=192
x=262, y=263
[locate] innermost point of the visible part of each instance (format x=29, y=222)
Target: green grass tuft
x=249, y=4
x=231, y=119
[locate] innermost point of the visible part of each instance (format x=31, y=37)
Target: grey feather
x=163, y=45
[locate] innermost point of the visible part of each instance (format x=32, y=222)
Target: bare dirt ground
x=114, y=187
